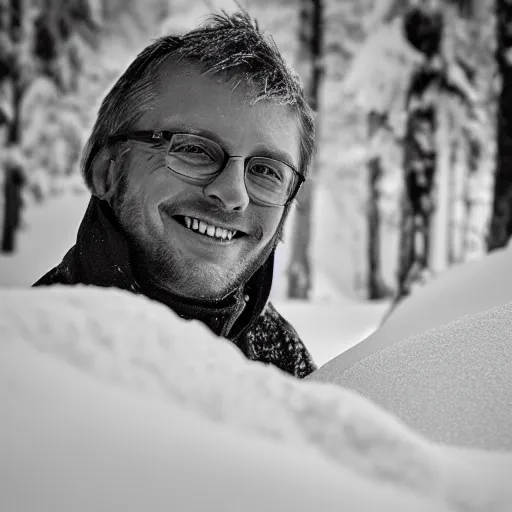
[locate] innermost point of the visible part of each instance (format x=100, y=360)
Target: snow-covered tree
x=501, y=225
x=442, y=107
x=39, y=43
x=310, y=64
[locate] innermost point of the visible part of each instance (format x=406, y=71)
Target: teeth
x=203, y=228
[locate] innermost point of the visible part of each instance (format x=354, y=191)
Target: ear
x=103, y=170
x=106, y=171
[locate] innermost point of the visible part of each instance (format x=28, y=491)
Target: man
x=196, y=156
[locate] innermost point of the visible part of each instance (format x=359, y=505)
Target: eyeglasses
x=199, y=160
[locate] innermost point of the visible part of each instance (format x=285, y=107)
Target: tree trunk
x=406, y=253
x=12, y=185
x=419, y=170
x=481, y=151
x=440, y=221
x=16, y=36
x=479, y=200
x=310, y=66
x=459, y=183
x=377, y=289
x=501, y=220
x=439, y=227
x=299, y=269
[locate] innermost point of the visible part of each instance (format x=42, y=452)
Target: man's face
x=156, y=201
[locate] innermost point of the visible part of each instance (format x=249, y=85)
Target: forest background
x=412, y=170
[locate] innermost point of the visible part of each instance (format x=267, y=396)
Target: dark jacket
x=100, y=257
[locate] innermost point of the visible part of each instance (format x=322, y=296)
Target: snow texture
x=462, y=290
x=453, y=384
x=111, y=402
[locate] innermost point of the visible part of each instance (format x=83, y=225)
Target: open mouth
x=208, y=230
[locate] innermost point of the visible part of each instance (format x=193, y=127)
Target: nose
x=229, y=186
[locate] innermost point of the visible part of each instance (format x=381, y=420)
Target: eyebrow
x=276, y=154
x=175, y=126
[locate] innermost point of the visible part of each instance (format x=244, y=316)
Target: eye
x=265, y=171
x=190, y=149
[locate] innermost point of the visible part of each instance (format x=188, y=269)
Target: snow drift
x=453, y=383
x=465, y=289
x=111, y=402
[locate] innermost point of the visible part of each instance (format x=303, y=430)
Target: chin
x=166, y=269
x=201, y=282
x=208, y=288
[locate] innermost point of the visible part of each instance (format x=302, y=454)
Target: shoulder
x=273, y=340
x=63, y=273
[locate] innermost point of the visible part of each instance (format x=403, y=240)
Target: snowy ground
x=328, y=327
x=452, y=383
x=442, y=360
x=49, y=231
x=110, y=402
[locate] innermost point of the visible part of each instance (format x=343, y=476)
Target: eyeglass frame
x=156, y=136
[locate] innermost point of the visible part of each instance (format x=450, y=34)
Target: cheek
x=270, y=222
x=149, y=182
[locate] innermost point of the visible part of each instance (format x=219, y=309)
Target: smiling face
x=158, y=205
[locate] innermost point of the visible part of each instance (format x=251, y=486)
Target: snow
x=462, y=290
x=329, y=328
x=49, y=232
x=111, y=402
x=451, y=383
x=87, y=446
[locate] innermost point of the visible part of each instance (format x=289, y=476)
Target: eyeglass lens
x=201, y=160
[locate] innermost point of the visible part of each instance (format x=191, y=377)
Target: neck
x=218, y=314
x=151, y=288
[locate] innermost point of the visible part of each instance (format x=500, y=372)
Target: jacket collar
x=102, y=258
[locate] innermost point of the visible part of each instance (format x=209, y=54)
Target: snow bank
x=111, y=402
x=463, y=290
x=452, y=383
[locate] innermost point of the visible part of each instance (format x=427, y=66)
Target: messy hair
x=230, y=44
